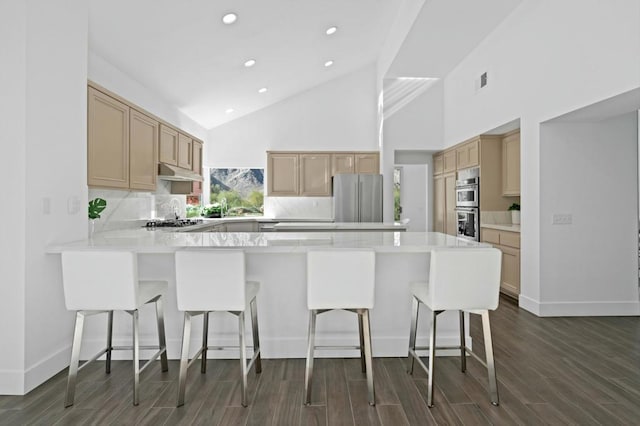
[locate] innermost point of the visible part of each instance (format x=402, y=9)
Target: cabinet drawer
x=510, y=239
x=491, y=236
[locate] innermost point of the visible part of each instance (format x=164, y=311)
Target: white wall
x=337, y=115
x=417, y=126
x=590, y=266
x=12, y=219
x=545, y=59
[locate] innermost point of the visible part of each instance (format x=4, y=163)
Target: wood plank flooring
x=550, y=371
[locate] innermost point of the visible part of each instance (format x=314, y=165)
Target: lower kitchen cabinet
x=444, y=190
x=509, y=244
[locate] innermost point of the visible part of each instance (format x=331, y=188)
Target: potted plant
x=96, y=206
x=515, y=213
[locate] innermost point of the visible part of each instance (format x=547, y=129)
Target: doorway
x=411, y=189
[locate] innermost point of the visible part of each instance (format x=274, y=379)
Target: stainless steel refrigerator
x=357, y=198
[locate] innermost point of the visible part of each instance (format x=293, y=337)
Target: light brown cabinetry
x=468, y=155
x=355, y=162
x=509, y=243
x=444, y=189
x=107, y=141
x=368, y=163
x=143, y=151
x=511, y=164
x=168, y=145
x=342, y=163
x=449, y=161
x=282, y=174
x=439, y=204
x=315, y=174
x=185, y=153
x=438, y=164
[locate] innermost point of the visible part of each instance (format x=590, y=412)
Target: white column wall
x=545, y=59
x=13, y=27
x=591, y=265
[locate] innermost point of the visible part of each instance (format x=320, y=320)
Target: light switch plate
x=562, y=219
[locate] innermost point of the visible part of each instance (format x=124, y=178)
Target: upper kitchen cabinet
x=367, y=162
x=449, y=161
x=468, y=154
x=168, y=145
x=511, y=164
x=107, y=141
x=342, y=162
x=143, y=151
x=282, y=173
x=196, y=165
x=315, y=174
x=438, y=164
x=185, y=151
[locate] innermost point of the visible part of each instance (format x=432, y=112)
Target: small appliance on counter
x=171, y=223
x=357, y=198
x=468, y=204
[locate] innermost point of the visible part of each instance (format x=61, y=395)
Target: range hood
x=168, y=172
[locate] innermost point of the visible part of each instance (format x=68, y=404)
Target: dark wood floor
x=550, y=371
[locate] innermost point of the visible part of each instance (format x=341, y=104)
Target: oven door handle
x=467, y=209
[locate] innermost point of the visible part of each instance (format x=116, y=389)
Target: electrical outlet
x=561, y=219
x=73, y=205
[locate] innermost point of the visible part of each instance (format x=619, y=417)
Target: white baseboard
x=45, y=369
x=579, y=309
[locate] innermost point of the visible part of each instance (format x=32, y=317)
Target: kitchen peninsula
x=277, y=260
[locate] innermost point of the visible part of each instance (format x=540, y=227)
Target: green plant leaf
x=96, y=206
x=514, y=206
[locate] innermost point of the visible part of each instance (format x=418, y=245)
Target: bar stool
x=214, y=280
x=100, y=282
x=341, y=279
x=462, y=279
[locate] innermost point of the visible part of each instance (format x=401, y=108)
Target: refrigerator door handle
x=359, y=200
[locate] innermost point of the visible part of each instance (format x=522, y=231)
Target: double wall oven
x=468, y=203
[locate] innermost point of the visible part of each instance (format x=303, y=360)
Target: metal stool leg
x=109, y=341
x=415, y=306
x=310, y=352
x=205, y=343
x=136, y=357
x=432, y=356
x=491, y=366
x=362, y=356
x=243, y=358
x=256, y=336
x=367, y=355
x=184, y=358
x=161, y=334
x=463, y=352
x=75, y=360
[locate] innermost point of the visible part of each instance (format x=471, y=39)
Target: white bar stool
x=341, y=279
x=100, y=282
x=214, y=280
x=463, y=279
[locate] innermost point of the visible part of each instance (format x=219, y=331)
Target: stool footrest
x=357, y=348
x=425, y=348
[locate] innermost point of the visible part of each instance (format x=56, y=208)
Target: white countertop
x=501, y=227
x=339, y=226
x=148, y=241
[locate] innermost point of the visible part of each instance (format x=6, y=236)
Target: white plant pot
x=515, y=217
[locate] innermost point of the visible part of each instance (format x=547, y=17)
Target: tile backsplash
x=495, y=217
x=298, y=207
x=130, y=209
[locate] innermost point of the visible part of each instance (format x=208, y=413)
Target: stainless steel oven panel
x=468, y=177
x=468, y=223
x=467, y=196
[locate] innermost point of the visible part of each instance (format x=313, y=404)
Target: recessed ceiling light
x=250, y=63
x=331, y=30
x=328, y=64
x=264, y=89
x=229, y=111
x=229, y=18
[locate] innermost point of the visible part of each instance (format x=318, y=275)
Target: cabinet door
x=168, y=145
x=510, y=282
x=342, y=163
x=462, y=157
x=438, y=164
x=107, y=141
x=282, y=174
x=315, y=175
x=439, y=208
x=185, y=151
x=368, y=163
x=511, y=164
x=451, y=219
x=449, y=159
x=473, y=154
x=196, y=165
x=143, y=151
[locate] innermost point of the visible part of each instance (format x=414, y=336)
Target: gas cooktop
x=172, y=223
